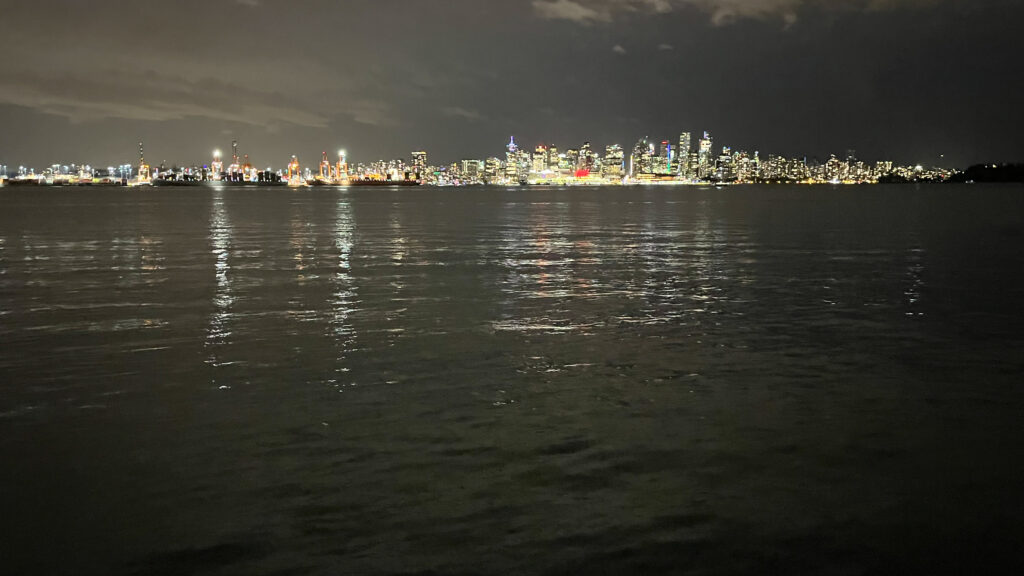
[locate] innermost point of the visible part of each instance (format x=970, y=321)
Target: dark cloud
x=721, y=11
x=909, y=79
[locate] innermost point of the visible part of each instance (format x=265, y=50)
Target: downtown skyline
x=686, y=160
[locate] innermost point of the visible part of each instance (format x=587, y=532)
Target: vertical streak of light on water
x=344, y=289
x=218, y=332
x=915, y=280
x=399, y=256
x=5, y=306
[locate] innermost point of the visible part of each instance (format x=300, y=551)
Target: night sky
x=907, y=80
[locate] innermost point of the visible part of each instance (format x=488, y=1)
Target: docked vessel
x=381, y=183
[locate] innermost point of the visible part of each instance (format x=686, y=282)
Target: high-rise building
x=512, y=160
x=419, y=163
x=493, y=170
x=613, y=162
x=571, y=161
x=726, y=171
x=539, y=163
x=745, y=167
x=640, y=159
x=683, y=155
x=522, y=166
x=472, y=170
x=144, y=174
x=705, y=161
x=553, y=158
x=587, y=159
x=661, y=158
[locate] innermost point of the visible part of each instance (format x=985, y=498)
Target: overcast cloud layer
x=721, y=11
x=908, y=79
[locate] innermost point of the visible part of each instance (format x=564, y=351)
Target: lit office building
x=641, y=150
x=419, y=162
x=612, y=166
x=705, y=161
x=512, y=160
x=540, y=160
x=570, y=162
x=493, y=169
x=683, y=155
x=472, y=170
x=553, y=158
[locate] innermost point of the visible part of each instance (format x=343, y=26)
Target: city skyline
x=905, y=80
x=353, y=153
x=688, y=159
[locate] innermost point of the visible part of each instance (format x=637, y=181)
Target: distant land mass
x=991, y=173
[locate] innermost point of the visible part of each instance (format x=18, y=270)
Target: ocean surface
x=749, y=380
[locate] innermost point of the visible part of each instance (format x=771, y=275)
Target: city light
x=668, y=161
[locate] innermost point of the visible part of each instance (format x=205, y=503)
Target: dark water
x=752, y=380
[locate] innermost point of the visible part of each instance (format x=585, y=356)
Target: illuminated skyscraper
x=661, y=160
x=726, y=171
x=587, y=159
x=553, y=158
x=419, y=163
x=540, y=159
x=235, y=170
x=492, y=170
x=512, y=160
x=522, y=166
x=705, y=161
x=144, y=174
x=472, y=170
x=640, y=159
x=572, y=160
x=613, y=162
x=683, y=155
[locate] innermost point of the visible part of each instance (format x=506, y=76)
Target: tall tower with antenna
x=235, y=168
x=143, y=167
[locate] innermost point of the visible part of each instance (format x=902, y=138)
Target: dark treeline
x=991, y=173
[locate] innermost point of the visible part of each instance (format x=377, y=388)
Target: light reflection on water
x=554, y=381
x=345, y=291
x=220, y=236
